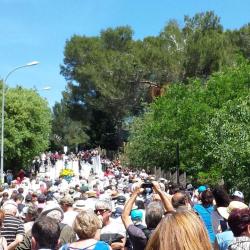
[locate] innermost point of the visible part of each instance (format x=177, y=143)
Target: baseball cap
x=121, y=200
x=84, y=188
x=118, y=212
x=28, y=198
x=67, y=199
x=238, y=194
x=136, y=214
x=202, y=189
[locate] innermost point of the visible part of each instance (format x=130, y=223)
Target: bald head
x=179, y=199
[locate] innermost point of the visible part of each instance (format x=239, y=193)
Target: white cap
x=238, y=194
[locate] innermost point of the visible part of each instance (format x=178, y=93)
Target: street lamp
x=2, y=121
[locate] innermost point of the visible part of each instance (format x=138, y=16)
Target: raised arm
x=165, y=200
x=128, y=207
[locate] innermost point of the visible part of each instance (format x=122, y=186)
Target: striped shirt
x=12, y=226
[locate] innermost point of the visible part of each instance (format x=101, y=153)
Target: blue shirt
x=224, y=239
x=205, y=214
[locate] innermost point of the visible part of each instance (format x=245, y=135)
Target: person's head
x=45, y=233
x=221, y=197
x=53, y=211
x=140, y=204
x=10, y=207
x=30, y=213
x=180, y=230
x=34, y=197
x=84, y=189
x=180, y=199
x=2, y=216
x=237, y=196
x=103, y=208
x=86, y=225
x=41, y=198
x=226, y=211
x=28, y=198
x=121, y=200
x=66, y=203
x=136, y=215
x=201, y=189
x=173, y=188
x=20, y=190
x=207, y=198
x=239, y=222
x=154, y=214
x=18, y=198
x=5, y=195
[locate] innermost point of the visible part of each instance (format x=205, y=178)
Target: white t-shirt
x=114, y=227
x=69, y=217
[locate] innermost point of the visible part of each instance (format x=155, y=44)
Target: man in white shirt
x=66, y=204
x=112, y=229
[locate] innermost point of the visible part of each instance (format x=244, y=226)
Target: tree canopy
x=109, y=76
x=27, y=126
x=209, y=121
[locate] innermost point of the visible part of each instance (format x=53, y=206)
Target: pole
x=2, y=134
x=178, y=163
x=2, y=116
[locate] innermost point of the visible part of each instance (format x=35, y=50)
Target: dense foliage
x=110, y=77
x=113, y=81
x=27, y=127
x=210, y=121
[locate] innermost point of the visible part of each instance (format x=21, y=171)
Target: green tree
x=65, y=131
x=109, y=76
x=210, y=121
x=102, y=83
x=207, y=48
x=27, y=126
x=241, y=39
x=227, y=144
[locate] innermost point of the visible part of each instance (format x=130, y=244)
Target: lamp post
x=2, y=120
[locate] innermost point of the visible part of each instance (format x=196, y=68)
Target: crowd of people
x=121, y=209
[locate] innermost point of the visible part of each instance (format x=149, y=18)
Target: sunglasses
x=101, y=211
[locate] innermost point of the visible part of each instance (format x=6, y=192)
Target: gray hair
x=103, y=204
x=154, y=214
x=10, y=207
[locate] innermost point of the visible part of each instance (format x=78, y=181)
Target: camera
x=148, y=187
x=147, y=184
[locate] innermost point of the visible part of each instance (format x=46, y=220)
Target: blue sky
x=38, y=29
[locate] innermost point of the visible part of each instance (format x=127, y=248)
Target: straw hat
x=225, y=211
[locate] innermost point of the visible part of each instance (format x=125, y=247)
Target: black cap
x=121, y=200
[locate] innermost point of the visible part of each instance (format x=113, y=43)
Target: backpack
x=99, y=245
x=147, y=232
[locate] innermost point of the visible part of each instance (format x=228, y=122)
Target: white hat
x=80, y=204
x=238, y=194
x=225, y=211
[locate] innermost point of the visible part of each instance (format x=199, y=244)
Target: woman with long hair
x=180, y=230
x=222, y=201
x=205, y=210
